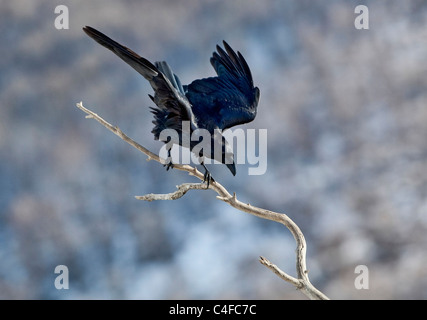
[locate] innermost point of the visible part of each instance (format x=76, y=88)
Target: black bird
x=213, y=104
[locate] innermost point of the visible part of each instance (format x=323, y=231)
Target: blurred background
x=346, y=113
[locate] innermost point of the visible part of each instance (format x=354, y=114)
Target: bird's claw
x=168, y=164
x=207, y=177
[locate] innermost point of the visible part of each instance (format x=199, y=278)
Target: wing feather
x=173, y=106
x=226, y=100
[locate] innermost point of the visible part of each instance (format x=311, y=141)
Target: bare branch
x=296, y=282
x=302, y=281
x=302, y=284
x=182, y=189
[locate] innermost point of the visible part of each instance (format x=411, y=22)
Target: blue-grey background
x=346, y=113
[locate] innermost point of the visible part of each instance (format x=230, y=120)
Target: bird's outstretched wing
x=173, y=106
x=228, y=99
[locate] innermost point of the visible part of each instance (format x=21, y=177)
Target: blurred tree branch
x=302, y=281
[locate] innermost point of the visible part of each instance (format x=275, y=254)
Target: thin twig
x=302, y=281
x=182, y=189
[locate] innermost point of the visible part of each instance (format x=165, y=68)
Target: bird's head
x=232, y=168
x=257, y=95
x=228, y=156
x=222, y=152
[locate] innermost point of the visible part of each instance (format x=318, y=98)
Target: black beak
x=232, y=168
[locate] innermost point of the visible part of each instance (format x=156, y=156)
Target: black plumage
x=213, y=104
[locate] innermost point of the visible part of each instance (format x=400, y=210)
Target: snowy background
x=346, y=113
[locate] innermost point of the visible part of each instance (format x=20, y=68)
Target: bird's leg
x=169, y=163
x=207, y=177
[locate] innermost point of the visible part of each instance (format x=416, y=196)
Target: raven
x=213, y=104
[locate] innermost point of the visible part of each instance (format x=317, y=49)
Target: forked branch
x=302, y=281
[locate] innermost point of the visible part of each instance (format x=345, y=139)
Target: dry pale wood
x=302, y=281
